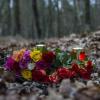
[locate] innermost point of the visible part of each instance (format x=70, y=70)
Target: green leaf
x=68, y=62
x=57, y=63
x=57, y=50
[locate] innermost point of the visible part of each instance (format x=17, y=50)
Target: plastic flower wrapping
x=43, y=65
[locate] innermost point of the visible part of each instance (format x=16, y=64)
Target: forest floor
x=67, y=89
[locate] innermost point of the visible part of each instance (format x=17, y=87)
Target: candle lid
x=78, y=48
x=40, y=45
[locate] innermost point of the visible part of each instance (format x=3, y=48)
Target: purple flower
x=25, y=60
x=26, y=55
x=9, y=64
x=23, y=64
x=42, y=64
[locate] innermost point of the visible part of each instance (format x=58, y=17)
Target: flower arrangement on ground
x=47, y=66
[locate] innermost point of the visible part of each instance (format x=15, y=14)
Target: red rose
x=48, y=56
x=82, y=56
x=16, y=68
x=65, y=73
x=89, y=66
x=46, y=79
x=84, y=74
x=38, y=75
x=72, y=74
x=53, y=78
x=75, y=67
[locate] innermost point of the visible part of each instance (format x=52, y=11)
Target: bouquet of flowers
x=49, y=66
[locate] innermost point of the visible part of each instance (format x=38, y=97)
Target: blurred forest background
x=39, y=19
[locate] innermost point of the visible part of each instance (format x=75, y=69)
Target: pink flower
x=12, y=65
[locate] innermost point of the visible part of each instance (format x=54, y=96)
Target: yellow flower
x=17, y=55
x=36, y=55
x=27, y=74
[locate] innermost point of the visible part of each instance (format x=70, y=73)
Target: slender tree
x=77, y=17
x=7, y=19
x=87, y=13
x=36, y=16
x=58, y=18
x=41, y=4
x=17, y=17
x=50, y=18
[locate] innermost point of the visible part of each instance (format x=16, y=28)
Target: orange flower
x=17, y=55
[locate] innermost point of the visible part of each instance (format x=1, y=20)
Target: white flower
x=31, y=66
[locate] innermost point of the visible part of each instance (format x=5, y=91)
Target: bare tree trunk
x=7, y=19
x=77, y=18
x=50, y=19
x=2, y=3
x=58, y=18
x=87, y=14
x=26, y=18
x=97, y=14
x=36, y=16
x=17, y=17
